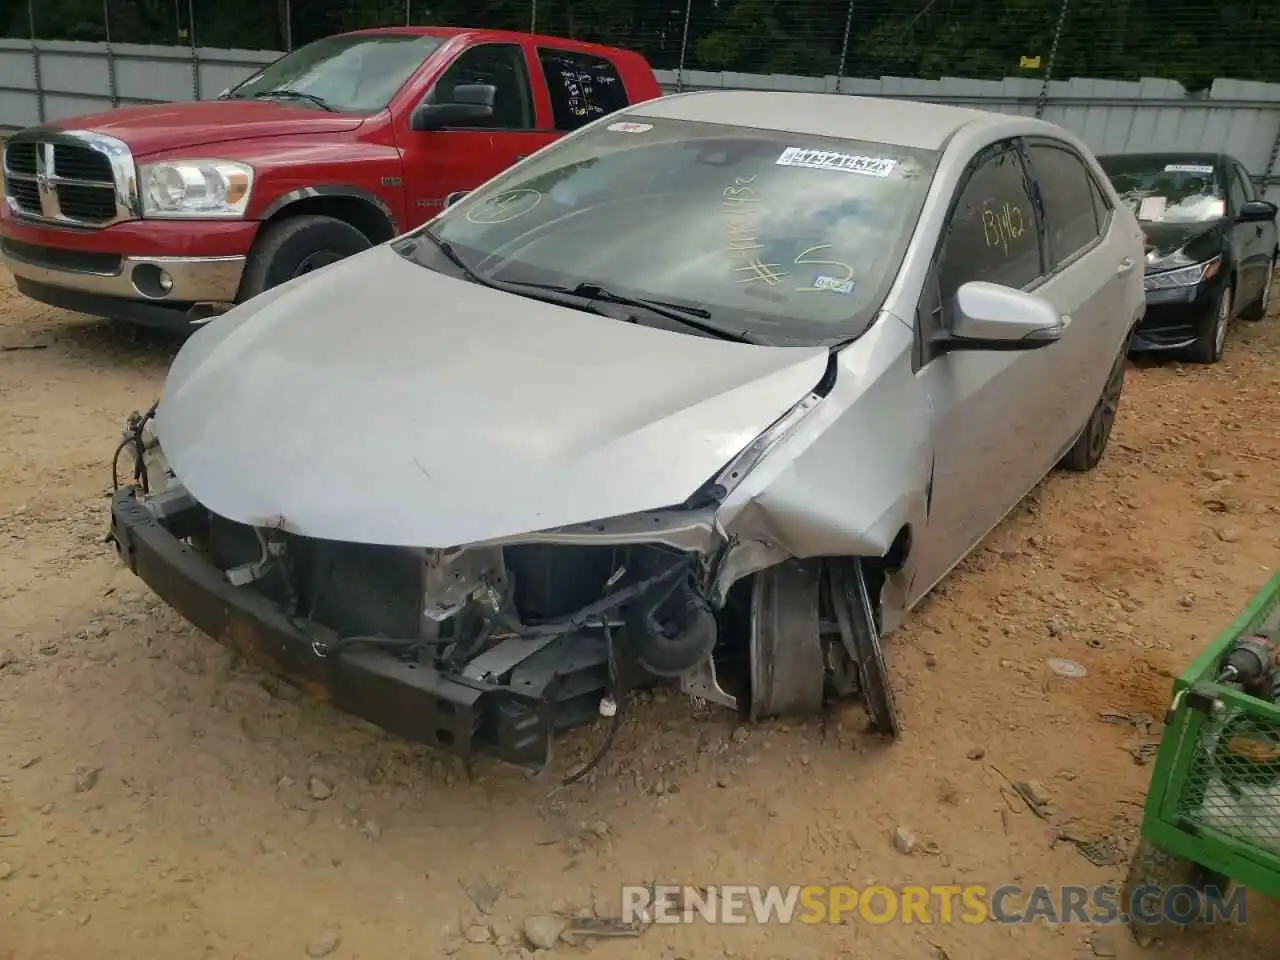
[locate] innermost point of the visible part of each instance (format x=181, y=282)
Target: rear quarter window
x=583, y=87
x=1070, y=204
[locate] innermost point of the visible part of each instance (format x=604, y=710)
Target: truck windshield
x=353, y=73
x=1167, y=188
x=785, y=237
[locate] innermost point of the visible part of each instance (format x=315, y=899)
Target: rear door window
x=582, y=87
x=1101, y=206
x=993, y=234
x=1071, y=220
x=1235, y=190
x=1245, y=183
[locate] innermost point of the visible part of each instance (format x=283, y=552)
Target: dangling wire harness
x=133, y=435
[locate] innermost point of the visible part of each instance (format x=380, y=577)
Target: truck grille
x=63, y=181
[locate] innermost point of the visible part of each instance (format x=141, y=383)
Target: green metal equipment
x=1212, y=815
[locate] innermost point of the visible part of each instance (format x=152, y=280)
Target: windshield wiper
x=446, y=248
x=689, y=316
x=289, y=95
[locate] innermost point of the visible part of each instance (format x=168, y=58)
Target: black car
x=1211, y=247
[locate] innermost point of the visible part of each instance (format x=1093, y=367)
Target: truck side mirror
x=468, y=103
x=483, y=94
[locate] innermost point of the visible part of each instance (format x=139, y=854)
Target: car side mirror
x=1257, y=211
x=468, y=103
x=989, y=316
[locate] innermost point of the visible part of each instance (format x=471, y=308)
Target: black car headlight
x=1181, y=277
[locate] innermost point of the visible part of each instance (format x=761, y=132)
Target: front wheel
x=1087, y=451
x=1209, y=348
x=296, y=246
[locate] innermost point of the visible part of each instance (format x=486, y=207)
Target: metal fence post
x=35, y=60
x=1271, y=175
x=684, y=46
x=288, y=26
x=844, y=47
x=533, y=16
x=112, y=89
x=195, y=52
x=408, y=13
x=1053, y=53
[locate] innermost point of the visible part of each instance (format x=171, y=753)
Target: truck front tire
x=295, y=246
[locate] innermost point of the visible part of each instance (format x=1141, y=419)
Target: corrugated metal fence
x=49, y=80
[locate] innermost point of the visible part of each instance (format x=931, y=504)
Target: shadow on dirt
x=104, y=342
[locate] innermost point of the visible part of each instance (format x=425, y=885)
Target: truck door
x=440, y=162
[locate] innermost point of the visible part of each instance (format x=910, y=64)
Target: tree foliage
x=1192, y=41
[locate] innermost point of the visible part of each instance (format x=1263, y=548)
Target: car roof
x=902, y=123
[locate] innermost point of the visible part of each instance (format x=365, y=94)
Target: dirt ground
x=159, y=800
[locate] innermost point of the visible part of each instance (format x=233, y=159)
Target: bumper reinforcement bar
x=555, y=686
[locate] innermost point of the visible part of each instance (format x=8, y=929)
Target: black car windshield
x=351, y=73
x=1167, y=189
x=785, y=237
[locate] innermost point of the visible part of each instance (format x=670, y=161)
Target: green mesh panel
x=1233, y=782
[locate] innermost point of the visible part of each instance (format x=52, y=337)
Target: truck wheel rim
x=321, y=258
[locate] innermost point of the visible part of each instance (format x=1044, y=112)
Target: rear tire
x=296, y=246
x=1087, y=451
x=1258, y=309
x=1209, y=348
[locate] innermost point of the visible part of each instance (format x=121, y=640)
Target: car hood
x=181, y=126
x=1165, y=239
x=377, y=401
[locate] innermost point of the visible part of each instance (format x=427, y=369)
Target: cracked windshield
x=779, y=235
x=1168, y=192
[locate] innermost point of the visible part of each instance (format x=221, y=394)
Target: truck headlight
x=188, y=189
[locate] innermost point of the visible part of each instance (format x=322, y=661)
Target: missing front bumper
x=547, y=687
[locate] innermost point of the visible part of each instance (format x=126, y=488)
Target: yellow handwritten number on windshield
x=740, y=202
x=757, y=270
x=803, y=260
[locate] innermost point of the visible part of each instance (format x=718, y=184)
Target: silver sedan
x=715, y=388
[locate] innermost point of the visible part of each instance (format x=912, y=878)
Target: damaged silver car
x=715, y=388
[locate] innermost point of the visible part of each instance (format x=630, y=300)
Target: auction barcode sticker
x=1188, y=168
x=834, y=160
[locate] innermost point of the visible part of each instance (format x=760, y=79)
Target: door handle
x=1125, y=266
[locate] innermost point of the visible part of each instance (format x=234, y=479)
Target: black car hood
x=1166, y=239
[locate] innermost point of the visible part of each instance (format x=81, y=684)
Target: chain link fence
x=1191, y=41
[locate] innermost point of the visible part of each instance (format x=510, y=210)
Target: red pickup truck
x=168, y=214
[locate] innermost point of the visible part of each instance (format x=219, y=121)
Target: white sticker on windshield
x=834, y=160
x=834, y=284
x=1152, y=208
x=628, y=127
x=1188, y=168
